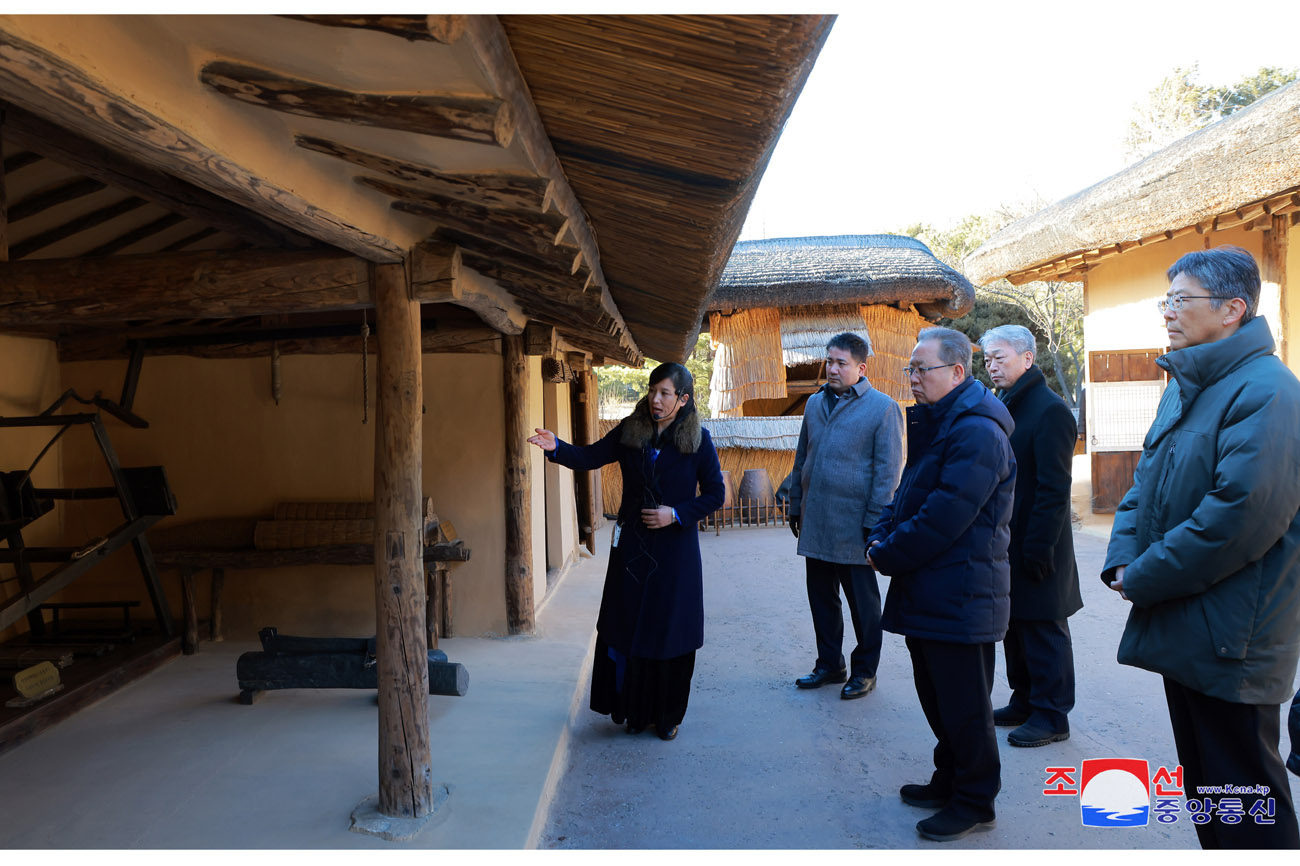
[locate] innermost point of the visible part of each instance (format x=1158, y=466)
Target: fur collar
x=637, y=428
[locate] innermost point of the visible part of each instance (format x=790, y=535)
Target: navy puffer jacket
x=943, y=540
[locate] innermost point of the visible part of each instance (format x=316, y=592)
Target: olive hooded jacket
x=1210, y=530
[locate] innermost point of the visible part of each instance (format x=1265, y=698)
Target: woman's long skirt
x=641, y=691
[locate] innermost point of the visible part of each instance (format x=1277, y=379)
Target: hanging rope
x=365, y=369
x=275, y=373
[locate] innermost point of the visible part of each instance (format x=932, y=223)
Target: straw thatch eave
x=760, y=433
x=664, y=125
x=864, y=269
x=1235, y=172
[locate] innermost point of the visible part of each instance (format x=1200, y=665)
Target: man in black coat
x=1044, y=576
x=943, y=542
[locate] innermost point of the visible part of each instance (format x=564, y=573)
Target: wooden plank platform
x=85, y=681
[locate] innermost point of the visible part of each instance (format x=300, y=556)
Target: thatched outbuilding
x=1236, y=181
x=780, y=300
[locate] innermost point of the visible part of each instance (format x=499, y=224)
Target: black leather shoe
x=820, y=677
x=1030, y=735
x=927, y=796
x=945, y=826
x=1009, y=717
x=670, y=734
x=857, y=687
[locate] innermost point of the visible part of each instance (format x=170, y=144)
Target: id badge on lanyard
x=618, y=530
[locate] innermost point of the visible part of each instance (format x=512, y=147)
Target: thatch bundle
x=1243, y=168
x=893, y=335
x=747, y=361
x=755, y=433
x=805, y=331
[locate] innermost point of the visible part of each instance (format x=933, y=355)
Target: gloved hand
x=794, y=524
x=1036, y=569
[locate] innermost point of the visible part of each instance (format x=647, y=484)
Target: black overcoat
x=653, y=602
x=1043, y=442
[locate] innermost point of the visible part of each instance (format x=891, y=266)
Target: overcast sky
x=927, y=112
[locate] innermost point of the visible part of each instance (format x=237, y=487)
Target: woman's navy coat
x=943, y=540
x=653, y=603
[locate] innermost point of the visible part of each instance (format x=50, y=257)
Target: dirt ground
x=760, y=764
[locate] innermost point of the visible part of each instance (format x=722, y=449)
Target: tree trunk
x=405, y=770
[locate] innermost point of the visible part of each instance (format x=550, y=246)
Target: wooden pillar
x=1273, y=270
x=519, y=506
x=590, y=507
x=405, y=768
x=4, y=199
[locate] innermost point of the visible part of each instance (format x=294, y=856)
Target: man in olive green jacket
x=1206, y=547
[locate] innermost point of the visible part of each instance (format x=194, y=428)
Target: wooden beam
x=436, y=28
x=109, y=167
x=438, y=276
x=459, y=340
x=42, y=201
x=482, y=120
x=539, y=339
x=136, y=235
x=405, y=763
x=48, y=85
x=20, y=161
x=189, y=240
x=501, y=189
x=209, y=284
x=520, y=614
x=76, y=226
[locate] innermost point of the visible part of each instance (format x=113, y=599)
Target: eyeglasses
x=1176, y=302
x=910, y=371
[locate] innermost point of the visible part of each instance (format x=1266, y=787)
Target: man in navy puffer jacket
x=943, y=542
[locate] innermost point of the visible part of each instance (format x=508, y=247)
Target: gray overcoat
x=846, y=467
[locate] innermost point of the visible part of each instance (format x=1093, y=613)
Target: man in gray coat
x=1206, y=547
x=846, y=467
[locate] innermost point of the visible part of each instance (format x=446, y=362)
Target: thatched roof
x=868, y=269
x=764, y=434
x=1239, y=170
x=664, y=125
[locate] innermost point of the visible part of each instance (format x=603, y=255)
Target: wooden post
x=592, y=515
x=401, y=649
x=190, y=636
x=519, y=506
x=218, y=630
x=1273, y=270
x=4, y=200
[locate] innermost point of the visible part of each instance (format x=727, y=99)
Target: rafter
x=463, y=118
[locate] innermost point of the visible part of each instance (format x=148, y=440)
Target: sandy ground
x=760, y=764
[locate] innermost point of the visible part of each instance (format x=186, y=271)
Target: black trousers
x=1221, y=743
x=954, y=681
x=863, y=595
x=1040, y=670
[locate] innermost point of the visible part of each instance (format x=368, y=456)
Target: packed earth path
x=760, y=764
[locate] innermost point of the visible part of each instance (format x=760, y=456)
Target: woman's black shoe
x=670, y=734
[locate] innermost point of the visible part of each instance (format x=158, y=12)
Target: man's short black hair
x=851, y=343
x=1225, y=273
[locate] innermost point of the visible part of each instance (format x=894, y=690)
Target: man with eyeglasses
x=1206, y=548
x=943, y=542
x=846, y=466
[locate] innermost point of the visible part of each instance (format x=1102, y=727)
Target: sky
x=931, y=111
